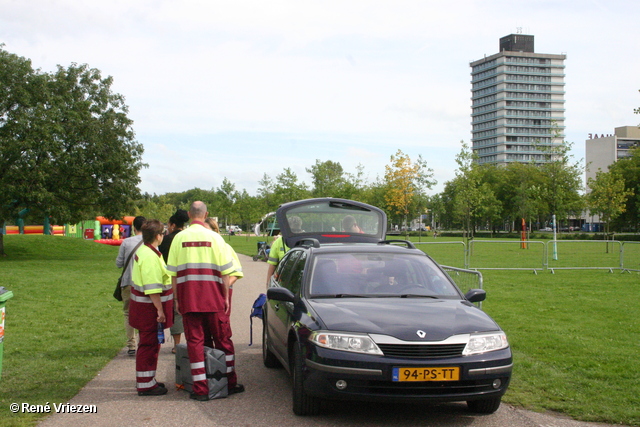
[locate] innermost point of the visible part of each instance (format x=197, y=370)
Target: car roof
x=325, y=219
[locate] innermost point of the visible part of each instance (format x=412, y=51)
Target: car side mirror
x=476, y=295
x=280, y=294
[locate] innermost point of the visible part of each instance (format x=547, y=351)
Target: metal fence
x=537, y=255
x=464, y=278
x=584, y=255
x=520, y=255
x=440, y=251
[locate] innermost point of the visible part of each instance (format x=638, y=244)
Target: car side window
x=297, y=273
x=285, y=268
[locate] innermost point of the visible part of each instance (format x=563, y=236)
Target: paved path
x=267, y=400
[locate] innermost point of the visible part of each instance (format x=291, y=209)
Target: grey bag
x=216, y=368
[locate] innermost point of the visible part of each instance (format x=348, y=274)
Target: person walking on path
x=127, y=247
x=200, y=264
x=151, y=308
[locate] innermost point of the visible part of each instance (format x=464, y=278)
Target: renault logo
x=421, y=334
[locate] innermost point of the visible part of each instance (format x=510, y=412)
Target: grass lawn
x=575, y=334
x=62, y=324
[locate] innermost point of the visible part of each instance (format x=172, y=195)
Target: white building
x=601, y=151
x=517, y=103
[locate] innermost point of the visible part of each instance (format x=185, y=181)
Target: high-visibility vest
x=198, y=258
x=149, y=276
x=278, y=249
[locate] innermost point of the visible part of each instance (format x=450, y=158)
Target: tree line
x=487, y=197
x=68, y=152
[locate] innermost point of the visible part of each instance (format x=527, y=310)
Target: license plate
x=426, y=374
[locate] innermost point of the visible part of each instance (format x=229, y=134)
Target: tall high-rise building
x=517, y=103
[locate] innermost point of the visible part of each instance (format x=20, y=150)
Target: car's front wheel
x=268, y=358
x=303, y=404
x=484, y=406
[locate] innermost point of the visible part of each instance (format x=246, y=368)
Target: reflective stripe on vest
x=147, y=300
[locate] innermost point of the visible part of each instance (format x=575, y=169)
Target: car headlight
x=482, y=343
x=346, y=342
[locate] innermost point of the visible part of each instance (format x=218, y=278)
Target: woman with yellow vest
x=151, y=307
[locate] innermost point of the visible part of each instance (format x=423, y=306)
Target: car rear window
x=328, y=217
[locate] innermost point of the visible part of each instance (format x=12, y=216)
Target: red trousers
x=147, y=360
x=212, y=330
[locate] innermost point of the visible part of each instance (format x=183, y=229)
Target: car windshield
x=376, y=275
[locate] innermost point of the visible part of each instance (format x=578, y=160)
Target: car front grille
x=422, y=351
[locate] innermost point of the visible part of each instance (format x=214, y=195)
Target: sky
x=240, y=89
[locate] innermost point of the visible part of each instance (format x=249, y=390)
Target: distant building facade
x=517, y=103
x=601, y=151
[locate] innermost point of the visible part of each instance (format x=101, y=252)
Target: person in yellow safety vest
x=279, y=248
x=151, y=306
x=276, y=253
x=212, y=224
x=200, y=263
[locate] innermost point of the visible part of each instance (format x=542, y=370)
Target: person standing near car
x=151, y=306
x=212, y=224
x=176, y=224
x=279, y=247
x=200, y=264
x=129, y=245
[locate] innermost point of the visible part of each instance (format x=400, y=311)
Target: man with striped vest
x=200, y=263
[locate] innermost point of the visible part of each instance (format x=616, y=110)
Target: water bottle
x=160, y=333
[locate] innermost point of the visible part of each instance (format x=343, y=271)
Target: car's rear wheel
x=484, y=406
x=268, y=358
x=303, y=404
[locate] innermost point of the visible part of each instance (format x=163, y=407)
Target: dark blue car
x=353, y=316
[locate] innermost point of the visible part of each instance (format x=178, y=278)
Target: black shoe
x=131, y=352
x=199, y=397
x=156, y=391
x=160, y=384
x=239, y=388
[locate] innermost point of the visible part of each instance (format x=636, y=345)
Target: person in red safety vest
x=200, y=263
x=151, y=304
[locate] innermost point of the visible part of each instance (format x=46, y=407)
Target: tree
x=266, y=192
x=629, y=169
x=563, y=182
x=226, y=197
x=406, y=182
x=67, y=147
x=608, y=196
x=470, y=198
x=519, y=187
x=328, y=179
x=288, y=189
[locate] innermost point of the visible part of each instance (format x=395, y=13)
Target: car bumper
x=370, y=377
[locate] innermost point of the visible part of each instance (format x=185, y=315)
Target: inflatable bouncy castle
x=112, y=232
